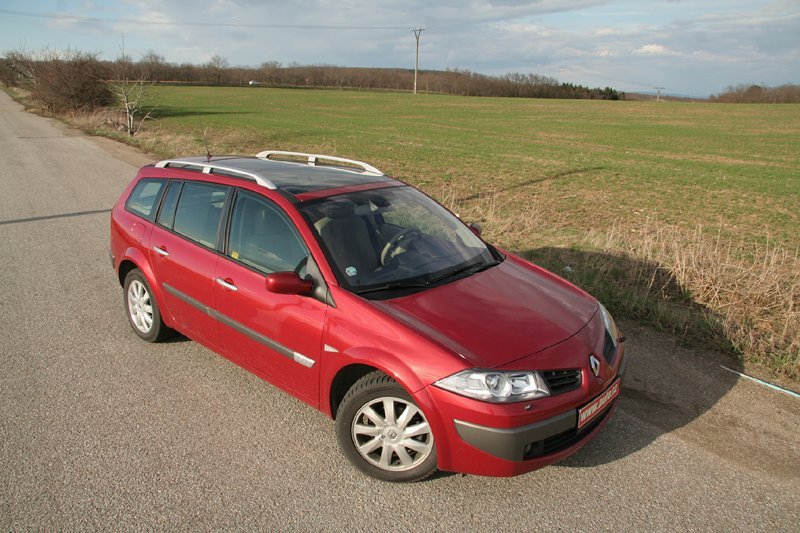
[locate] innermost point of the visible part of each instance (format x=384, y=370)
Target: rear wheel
x=142, y=309
x=383, y=432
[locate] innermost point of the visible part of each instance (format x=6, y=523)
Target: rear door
x=275, y=335
x=183, y=254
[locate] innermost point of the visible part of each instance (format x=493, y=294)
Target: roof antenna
x=205, y=142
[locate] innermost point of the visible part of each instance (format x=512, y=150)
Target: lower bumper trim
x=510, y=444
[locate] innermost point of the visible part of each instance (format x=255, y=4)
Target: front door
x=278, y=336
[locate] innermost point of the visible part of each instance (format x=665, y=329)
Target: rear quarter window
x=144, y=198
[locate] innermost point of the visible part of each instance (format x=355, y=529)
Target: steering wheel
x=406, y=235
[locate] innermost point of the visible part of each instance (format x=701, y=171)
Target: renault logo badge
x=594, y=364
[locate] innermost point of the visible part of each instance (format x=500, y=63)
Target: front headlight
x=611, y=326
x=496, y=386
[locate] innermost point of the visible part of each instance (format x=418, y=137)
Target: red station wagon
x=363, y=297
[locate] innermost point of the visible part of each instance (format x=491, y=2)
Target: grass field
x=682, y=215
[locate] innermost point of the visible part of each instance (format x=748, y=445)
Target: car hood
x=497, y=316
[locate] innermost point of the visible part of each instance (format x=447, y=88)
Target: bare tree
x=152, y=65
x=218, y=65
x=134, y=92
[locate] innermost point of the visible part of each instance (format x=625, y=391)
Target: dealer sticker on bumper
x=596, y=406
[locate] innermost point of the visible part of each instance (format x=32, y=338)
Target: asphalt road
x=99, y=430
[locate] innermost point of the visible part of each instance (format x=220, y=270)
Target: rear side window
x=144, y=198
x=199, y=212
x=166, y=216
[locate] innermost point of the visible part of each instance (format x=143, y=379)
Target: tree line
x=75, y=69
x=757, y=94
x=75, y=80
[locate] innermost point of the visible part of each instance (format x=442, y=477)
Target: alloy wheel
x=140, y=307
x=392, y=434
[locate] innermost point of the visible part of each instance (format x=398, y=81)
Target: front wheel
x=383, y=432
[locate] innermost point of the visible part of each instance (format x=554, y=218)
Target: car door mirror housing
x=476, y=228
x=288, y=283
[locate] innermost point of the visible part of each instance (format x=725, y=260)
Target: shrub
x=63, y=81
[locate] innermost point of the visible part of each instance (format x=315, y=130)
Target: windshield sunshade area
x=390, y=240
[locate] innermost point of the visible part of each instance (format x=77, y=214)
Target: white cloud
x=652, y=50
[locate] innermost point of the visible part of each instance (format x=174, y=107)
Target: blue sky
x=689, y=47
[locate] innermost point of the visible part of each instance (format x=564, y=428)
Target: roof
x=292, y=172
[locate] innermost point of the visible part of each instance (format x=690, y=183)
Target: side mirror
x=288, y=283
x=476, y=228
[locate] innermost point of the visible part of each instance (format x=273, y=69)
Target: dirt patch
x=684, y=391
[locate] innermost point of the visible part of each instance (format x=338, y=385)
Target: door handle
x=160, y=250
x=227, y=283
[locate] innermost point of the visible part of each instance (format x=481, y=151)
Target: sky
x=689, y=47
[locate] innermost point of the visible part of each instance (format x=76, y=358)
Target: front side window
x=261, y=237
x=394, y=238
x=199, y=212
x=144, y=197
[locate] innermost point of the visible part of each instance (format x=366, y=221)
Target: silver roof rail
x=311, y=159
x=209, y=167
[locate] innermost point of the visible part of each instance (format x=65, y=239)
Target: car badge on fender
x=594, y=364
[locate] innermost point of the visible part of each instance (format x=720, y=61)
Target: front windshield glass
x=394, y=238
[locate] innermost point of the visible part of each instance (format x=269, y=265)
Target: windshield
x=394, y=238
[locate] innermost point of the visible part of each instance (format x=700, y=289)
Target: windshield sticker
x=351, y=271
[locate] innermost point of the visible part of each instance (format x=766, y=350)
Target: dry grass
x=741, y=297
x=746, y=294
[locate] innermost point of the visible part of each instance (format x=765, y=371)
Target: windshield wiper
x=397, y=285
x=479, y=266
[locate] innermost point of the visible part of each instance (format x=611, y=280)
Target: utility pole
x=417, y=31
x=658, y=94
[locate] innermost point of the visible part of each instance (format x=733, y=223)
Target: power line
x=77, y=18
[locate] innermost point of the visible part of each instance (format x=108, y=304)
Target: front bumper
x=507, y=440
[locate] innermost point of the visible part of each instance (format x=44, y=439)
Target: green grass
x=734, y=168
x=680, y=215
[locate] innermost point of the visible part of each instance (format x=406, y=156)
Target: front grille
x=563, y=440
x=561, y=381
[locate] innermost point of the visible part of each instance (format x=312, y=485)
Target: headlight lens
x=496, y=386
x=611, y=326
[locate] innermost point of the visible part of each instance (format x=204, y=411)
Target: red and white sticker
x=596, y=406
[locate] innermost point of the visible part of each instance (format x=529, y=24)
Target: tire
x=398, y=447
x=142, y=309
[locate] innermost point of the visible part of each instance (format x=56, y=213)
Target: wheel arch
x=363, y=360
x=132, y=259
x=344, y=380
x=125, y=266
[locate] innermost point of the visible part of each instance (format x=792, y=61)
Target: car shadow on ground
x=672, y=378
x=177, y=337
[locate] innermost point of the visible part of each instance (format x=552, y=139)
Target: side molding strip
x=244, y=330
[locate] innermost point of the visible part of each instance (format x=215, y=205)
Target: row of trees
x=756, y=94
x=461, y=82
x=153, y=68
